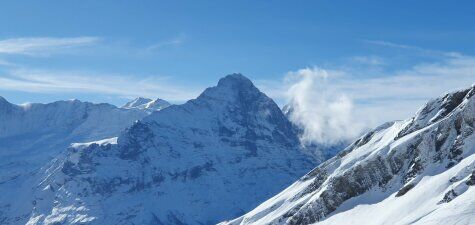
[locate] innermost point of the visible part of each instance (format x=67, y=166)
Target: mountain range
x=224, y=157
x=207, y=160
x=33, y=134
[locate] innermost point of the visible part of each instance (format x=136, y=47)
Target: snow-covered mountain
x=140, y=101
x=30, y=133
x=417, y=171
x=79, y=119
x=210, y=159
x=146, y=104
x=33, y=134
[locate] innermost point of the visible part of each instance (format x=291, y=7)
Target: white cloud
x=340, y=103
x=43, y=45
x=39, y=81
x=326, y=115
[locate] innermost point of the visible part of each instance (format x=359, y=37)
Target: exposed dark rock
x=449, y=196
x=404, y=190
x=471, y=179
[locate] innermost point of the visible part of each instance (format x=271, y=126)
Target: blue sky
x=110, y=51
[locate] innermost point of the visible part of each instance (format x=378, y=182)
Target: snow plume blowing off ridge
x=324, y=115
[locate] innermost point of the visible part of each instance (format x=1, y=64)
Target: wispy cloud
x=26, y=78
x=5, y=63
x=34, y=46
x=414, y=48
x=392, y=45
x=369, y=60
x=325, y=113
x=40, y=81
x=175, y=41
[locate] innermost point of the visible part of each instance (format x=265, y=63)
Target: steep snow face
x=147, y=104
x=418, y=171
x=210, y=159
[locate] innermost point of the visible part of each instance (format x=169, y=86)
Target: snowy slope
x=418, y=171
x=210, y=159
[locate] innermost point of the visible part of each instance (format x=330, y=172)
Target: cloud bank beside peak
x=341, y=103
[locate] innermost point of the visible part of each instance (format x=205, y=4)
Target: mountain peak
x=232, y=87
x=439, y=108
x=4, y=102
x=157, y=104
x=235, y=79
x=147, y=104
x=232, y=139
x=136, y=102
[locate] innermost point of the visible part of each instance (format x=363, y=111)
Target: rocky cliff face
x=210, y=159
x=417, y=171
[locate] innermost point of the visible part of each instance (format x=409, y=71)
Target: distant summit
x=5, y=105
x=146, y=104
x=136, y=102
x=157, y=104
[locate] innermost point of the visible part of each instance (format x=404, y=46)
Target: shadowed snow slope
x=418, y=171
x=210, y=159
